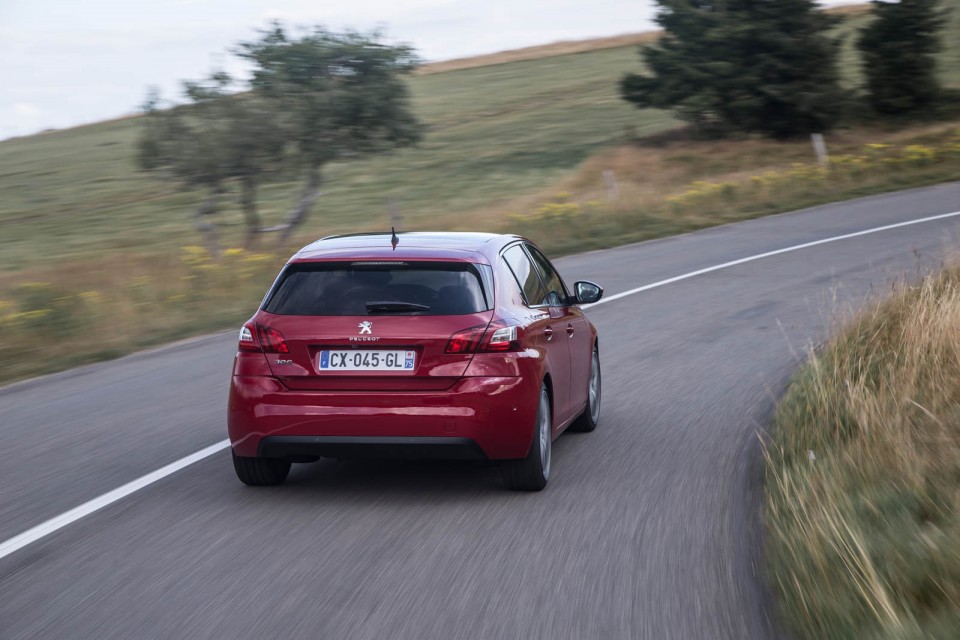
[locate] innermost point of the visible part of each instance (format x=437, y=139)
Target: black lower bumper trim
x=349, y=447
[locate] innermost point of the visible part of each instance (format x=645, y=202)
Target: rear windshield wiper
x=395, y=307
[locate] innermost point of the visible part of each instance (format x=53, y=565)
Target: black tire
x=261, y=472
x=533, y=472
x=587, y=421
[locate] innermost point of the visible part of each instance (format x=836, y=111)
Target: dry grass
x=88, y=310
x=863, y=475
x=649, y=170
x=559, y=48
x=672, y=185
x=566, y=47
x=849, y=10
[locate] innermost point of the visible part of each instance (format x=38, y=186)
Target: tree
x=341, y=95
x=216, y=137
x=742, y=65
x=898, y=49
x=312, y=100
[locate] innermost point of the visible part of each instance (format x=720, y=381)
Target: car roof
x=420, y=245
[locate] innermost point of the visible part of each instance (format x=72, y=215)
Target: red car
x=423, y=345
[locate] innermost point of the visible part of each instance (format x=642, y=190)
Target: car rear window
x=380, y=288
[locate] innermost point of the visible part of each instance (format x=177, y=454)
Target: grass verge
x=863, y=475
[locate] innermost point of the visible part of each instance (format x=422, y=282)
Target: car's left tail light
x=255, y=337
x=248, y=341
x=251, y=361
x=272, y=340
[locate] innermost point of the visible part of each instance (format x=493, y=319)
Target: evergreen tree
x=898, y=49
x=745, y=65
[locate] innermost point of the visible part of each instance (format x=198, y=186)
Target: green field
x=99, y=259
x=493, y=132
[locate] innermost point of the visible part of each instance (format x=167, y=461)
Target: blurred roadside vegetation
x=862, y=496
x=99, y=259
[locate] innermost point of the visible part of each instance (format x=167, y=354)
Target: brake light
x=501, y=337
x=272, y=340
x=465, y=341
x=247, y=342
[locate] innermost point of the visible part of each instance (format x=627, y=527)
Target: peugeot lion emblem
x=365, y=327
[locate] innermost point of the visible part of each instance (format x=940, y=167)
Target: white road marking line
x=760, y=256
x=55, y=524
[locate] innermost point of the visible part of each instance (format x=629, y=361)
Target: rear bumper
x=348, y=447
x=481, y=417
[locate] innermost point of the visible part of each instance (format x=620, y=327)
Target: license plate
x=354, y=360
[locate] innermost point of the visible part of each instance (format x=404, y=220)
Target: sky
x=70, y=62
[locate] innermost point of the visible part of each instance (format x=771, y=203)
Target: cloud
x=26, y=111
x=365, y=12
x=22, y=118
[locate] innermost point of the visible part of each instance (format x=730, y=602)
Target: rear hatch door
x=374, y=325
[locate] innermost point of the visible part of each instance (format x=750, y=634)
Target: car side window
x=556, y=292
x=523, y=270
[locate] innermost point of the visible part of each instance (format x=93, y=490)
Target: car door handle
x=570, y=330
x=548, y=332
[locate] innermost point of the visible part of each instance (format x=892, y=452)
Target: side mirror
x=587, y=292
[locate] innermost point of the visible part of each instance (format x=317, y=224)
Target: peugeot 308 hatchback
x=423, y=345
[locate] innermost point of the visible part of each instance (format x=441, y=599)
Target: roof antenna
x=394, y=240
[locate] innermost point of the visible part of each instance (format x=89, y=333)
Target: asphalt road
x=649, y=528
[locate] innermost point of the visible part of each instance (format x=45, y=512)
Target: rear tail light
x=501, y=337
x=497, y=336
x=466, y=341
x=272, y=340
x=255, y=337
x=247, y=341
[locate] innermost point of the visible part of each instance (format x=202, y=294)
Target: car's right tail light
x=501, y=336
x=498, y=336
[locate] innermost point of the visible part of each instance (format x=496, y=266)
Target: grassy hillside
x=494, y=132
x=511, y=128
x=517, y=141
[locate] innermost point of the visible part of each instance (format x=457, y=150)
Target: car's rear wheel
x=531, y=473
x=587, y=421
x=261, y=472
